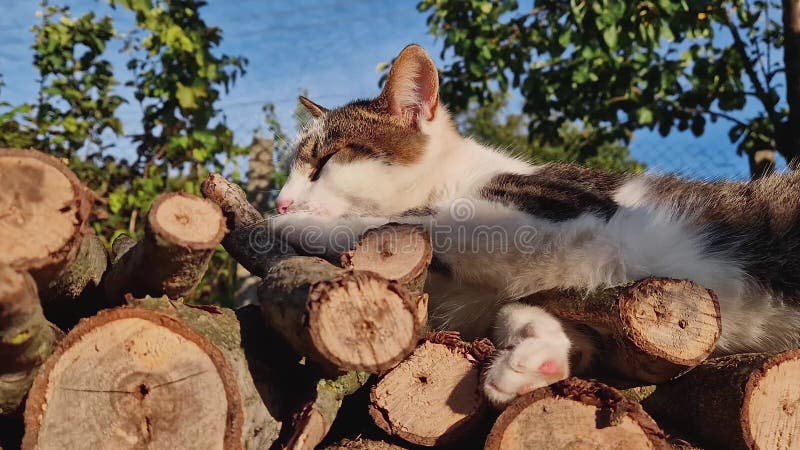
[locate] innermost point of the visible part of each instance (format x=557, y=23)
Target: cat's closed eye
x=320, y=165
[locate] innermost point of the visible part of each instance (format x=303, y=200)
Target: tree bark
x=26, y=337
x=75, y=293
x=342, y=319
x=313, y=421
x=249, y=240
x=791, y=59
x=575, y=413
x=433, y=398
x=43, y=213
x=159, y=374
x=747, y=401
x=181, y=235
x=652, y=330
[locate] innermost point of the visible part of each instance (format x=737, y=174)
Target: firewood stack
x=98, y=350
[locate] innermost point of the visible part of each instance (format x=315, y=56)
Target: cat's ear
x=412, y=87
x=313, y=108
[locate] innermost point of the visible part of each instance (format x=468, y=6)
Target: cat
x=503, y=228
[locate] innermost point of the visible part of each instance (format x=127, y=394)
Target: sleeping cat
x=503, y=228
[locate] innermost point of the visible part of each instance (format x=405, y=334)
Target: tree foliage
x=177, y=77
x=619, y=66
x=491, y=124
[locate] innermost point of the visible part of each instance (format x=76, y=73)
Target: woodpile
x=337, y=355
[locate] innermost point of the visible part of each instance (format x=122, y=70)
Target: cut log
x=43, y=213
x=181, y=234
x=221, y=327
x=748, y=401
x=133, y=377
x=342, y=319
x=75, y=293
x=84, y=273
x=575, y=413
x=654, y=329
x=312, y=423
x=26, y=337
x=395, y=251
x=432, y=398
x=249, y=240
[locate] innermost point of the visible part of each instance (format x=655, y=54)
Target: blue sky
x=330, y=48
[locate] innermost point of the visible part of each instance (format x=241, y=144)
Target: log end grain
x=399, y=252
x=43, y=213
x=432, y=398
x=131, y=377
x=186, y=220
x=676, y=320
x=770, y=413
x=575, y=413
x=360, y=321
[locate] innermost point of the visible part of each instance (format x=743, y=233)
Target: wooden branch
x=43, y=213
x=158, y=374
x=655, y=328
x=575, y=413
x=312, y=423
x=432, y=398
x=26, y=337
x=395, y=251
x=249, y=241
x=342, y=319
x=747, y=401
x=181, y=235
x=75, y=293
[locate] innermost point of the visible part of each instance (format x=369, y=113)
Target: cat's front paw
x=534, y=362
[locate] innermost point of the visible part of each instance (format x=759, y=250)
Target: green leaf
x=610, y=37
x=116, y=201
x=644, y=116
x=188, y=96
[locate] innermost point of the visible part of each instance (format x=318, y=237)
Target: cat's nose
x=282, y=205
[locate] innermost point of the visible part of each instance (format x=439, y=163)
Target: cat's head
x=369, y=157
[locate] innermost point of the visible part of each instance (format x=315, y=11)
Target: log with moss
x=575, y=413
x=181, y=234
x=26, y=338
x=43, y=213
x=651, y=330
x=155, y=374
x=433, y=397
x=342, y=319
x=747, y=401
x=314, y=419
